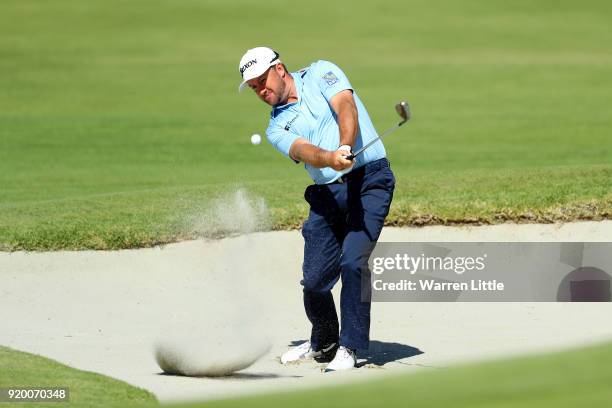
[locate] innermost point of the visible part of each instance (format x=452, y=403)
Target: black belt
x=363, y=170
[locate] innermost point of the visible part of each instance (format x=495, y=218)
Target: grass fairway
x=120, y=121
x=572, y=378
x=86, y=389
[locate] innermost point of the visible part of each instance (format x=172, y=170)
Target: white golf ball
x=256, y=139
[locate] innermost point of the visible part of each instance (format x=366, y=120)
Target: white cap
x=255, y=62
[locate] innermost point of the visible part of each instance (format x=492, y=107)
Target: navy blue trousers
x=341, y=231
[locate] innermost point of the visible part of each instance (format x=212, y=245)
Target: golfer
x=318, y=119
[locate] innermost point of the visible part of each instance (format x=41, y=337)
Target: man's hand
x=338, y=160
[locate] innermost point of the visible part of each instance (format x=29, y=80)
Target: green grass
x=120, y=122
x=571, y=378
x=86, y=389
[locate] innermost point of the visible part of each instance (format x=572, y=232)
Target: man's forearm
x=311, y=154
x=343, y=104
x=348, y=123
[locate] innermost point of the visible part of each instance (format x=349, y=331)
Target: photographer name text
x=431, y=285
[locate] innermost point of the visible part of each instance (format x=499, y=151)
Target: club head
x=403, y=109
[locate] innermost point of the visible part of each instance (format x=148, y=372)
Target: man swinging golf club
x=318, y=119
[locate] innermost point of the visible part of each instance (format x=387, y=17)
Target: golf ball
x=256, y=139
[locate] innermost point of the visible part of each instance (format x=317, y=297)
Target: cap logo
x=245, y=66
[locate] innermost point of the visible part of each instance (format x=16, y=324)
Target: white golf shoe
x=345, y=359
x=304, y=351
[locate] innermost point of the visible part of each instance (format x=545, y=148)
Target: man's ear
x=281, y=70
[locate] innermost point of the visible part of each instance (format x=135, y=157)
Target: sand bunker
x=104, y=312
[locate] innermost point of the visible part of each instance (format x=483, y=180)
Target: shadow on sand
x=236, y=376
x=383, y=352
x=380, y=352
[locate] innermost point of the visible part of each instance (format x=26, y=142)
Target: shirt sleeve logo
x=330, y=78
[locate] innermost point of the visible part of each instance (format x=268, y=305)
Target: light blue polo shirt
x=312, y=118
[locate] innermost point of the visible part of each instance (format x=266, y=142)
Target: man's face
x=270, y=86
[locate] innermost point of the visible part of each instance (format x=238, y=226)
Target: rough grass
x=86, y=389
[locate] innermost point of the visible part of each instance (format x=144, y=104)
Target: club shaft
x=358, y=152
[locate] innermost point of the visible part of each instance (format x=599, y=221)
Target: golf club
x=402, y=109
